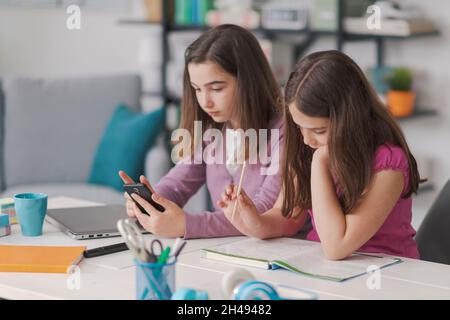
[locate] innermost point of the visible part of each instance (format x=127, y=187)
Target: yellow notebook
x=39, y=258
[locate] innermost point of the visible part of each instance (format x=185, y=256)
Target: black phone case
x=145, y=193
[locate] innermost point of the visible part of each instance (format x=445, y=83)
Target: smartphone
x=145, y=193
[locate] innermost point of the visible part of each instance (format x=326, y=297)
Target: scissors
x=156, y=248
x=134, y=239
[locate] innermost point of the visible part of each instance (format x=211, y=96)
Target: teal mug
x=30, y=210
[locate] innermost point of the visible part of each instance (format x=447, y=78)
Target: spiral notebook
x=299, y=256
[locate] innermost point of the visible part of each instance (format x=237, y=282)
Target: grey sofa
x=50, y=129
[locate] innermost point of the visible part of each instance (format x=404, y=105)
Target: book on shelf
x=7, y=206
x=192, y=12
x=389, y=27
x=153, y=10
x=299, y=256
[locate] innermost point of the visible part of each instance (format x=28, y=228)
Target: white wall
x=35, y=41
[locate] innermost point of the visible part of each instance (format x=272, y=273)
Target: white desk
x=410, y=279
x=97, y=281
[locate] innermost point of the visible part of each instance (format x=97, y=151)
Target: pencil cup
x=154, y=281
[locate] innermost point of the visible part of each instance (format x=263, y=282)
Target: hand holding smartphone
x=144, y=192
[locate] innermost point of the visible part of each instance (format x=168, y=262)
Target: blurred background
x=403, y=46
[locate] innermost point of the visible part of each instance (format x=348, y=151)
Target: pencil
x=238, y=191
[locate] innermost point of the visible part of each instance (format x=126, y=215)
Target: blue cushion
x=124, y=145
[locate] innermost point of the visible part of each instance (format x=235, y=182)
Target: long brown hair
x=236, y=51
x=330, y=84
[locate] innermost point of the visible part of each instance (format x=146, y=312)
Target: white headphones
x=240, y=284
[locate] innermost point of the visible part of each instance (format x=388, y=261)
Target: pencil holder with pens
x=154, y=281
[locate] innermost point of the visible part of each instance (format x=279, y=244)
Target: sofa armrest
x=2, y=134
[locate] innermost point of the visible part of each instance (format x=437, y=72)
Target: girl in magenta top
x=346, y=163
x=228, y=86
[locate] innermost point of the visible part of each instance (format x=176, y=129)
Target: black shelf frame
x=343, y=36
x=419, y=113
x=310, y=36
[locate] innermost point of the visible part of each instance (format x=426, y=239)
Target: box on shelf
x=324, y=12
x=287, y=15
x=390, y=27
x=247, y=19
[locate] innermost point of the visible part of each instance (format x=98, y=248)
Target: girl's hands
x=170, y=223
x=246, y=218
x=128, y=201
x=321, y=156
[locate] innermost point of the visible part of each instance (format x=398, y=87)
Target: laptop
x=88, y=222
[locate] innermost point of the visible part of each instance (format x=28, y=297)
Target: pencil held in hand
x=238, y=191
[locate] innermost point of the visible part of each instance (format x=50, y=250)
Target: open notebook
x=300, y=256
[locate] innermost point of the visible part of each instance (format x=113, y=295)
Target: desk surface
x=410, y=279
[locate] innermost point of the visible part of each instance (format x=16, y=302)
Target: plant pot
x=401, y=103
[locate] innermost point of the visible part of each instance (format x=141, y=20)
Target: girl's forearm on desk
x=328, y=215
x=274, y=225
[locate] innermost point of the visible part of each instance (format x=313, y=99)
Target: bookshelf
x=309, y=37
x=419, y=113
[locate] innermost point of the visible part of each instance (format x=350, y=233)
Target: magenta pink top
x=396, y=235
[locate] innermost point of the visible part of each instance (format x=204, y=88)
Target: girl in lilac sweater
x=228, y=85
x=346, y=165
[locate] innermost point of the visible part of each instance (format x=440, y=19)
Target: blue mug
x=30, y=210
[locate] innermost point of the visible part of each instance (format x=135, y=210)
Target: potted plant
x=400, y=98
